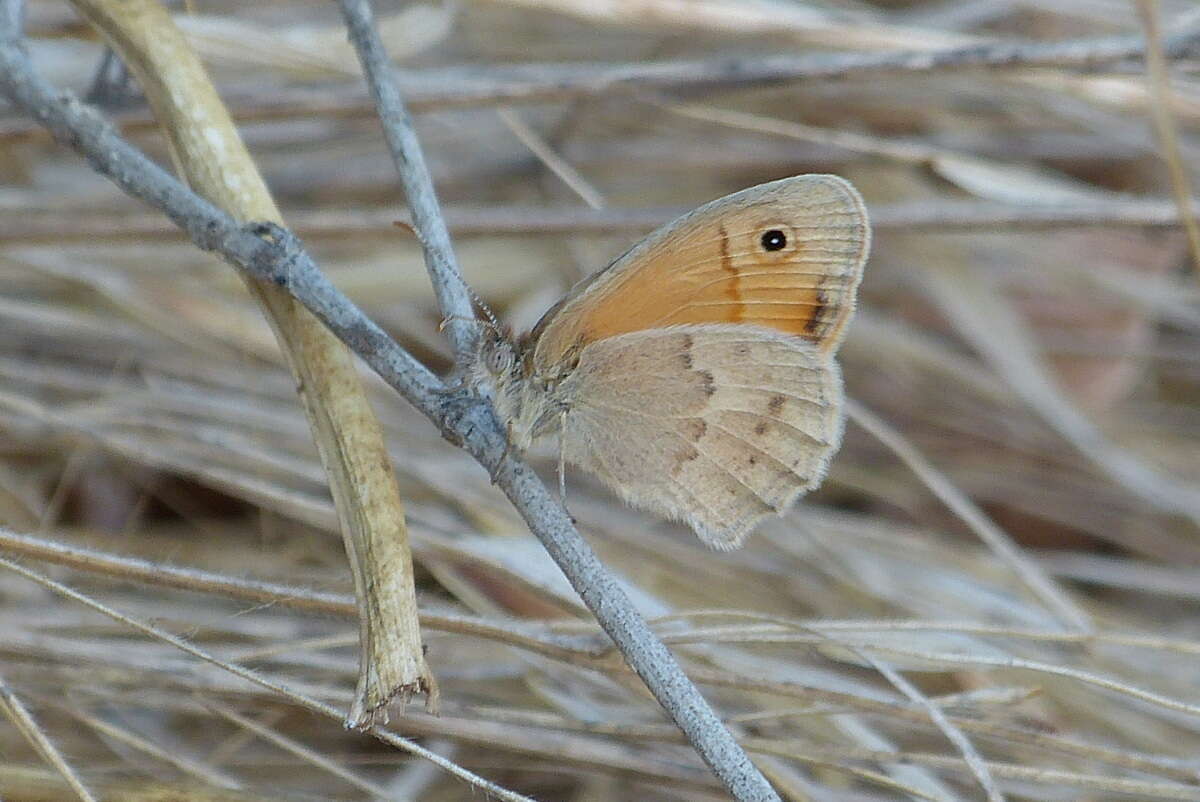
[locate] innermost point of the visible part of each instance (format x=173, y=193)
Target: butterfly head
x=504, y=372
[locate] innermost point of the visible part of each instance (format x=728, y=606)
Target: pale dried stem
x=209, y=153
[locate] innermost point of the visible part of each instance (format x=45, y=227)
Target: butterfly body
x=695, y=374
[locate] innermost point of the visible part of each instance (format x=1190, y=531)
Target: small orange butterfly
x=695, y=375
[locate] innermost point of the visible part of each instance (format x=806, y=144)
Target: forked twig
x=546, y=516
x=270, y=253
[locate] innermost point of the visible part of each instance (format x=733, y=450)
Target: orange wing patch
x=786, y=255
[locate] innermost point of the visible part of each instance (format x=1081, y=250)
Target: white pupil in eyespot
x=774, y=240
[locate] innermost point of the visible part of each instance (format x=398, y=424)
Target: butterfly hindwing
x=715, y=425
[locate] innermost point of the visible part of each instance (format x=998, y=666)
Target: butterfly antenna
x=446, y=321
x=492, y=321
x=487, y=310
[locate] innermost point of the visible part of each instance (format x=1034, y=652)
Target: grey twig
x=270, y=253
x=14, y=16
x=453, y=296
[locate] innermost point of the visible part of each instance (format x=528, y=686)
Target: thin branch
x=270, y=253
x=453, y=295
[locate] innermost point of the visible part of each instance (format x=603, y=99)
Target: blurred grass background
x=1011, y=524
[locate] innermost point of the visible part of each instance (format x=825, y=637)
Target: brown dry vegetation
x=1000, y=578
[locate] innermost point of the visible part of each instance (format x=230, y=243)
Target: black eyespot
x=774, y=240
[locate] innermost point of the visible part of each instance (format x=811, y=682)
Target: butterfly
x=695, y=375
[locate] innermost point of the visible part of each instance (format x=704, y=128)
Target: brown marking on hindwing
x=694, y=429
x=760, y=428
x=776, y=404
x=687, y=456
x=710, y=382
x=686, y=352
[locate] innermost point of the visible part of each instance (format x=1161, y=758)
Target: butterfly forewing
x=787, y=255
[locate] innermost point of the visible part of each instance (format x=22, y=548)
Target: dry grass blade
x=553, y=161
x=20, y=717
x=315, y=758
x=257, y=679
x=1164, y=121
x=995, y=538
x=195, y=768
x=213, y=160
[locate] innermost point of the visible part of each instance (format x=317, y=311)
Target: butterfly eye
x=774, y=240
x=499, y=359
